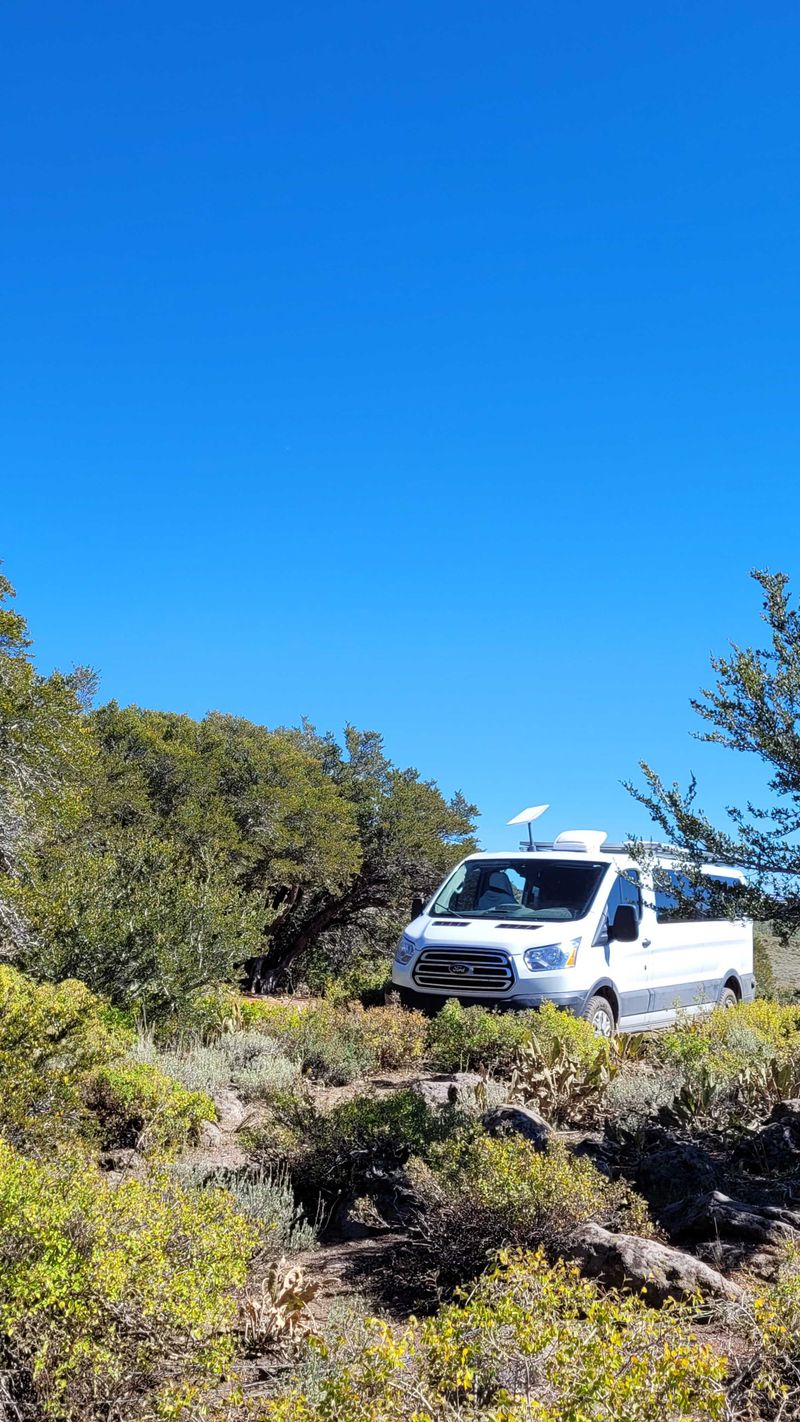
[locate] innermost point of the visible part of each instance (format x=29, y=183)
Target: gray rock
x=518, y=1121
x=765, y=1261
x=625, y=1261
x=718, y=1216
x=788, y=1112
x=674, y=1172
x=231, y=1111
x=211, y=1136
x=448, y=1090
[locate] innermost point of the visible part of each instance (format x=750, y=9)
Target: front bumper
x=524, y=994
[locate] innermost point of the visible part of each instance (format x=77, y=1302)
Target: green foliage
x=564, y=1069
x=50, y=1036
x=137, y=1105
x=531, y=1343
x=770, y=1321
x=463, y=1038
x=45, y=754
x=336, y=1152
x=479, y=1194
x=766, y=981
x=138, y=920
x=113, y=1299
x=752, y=707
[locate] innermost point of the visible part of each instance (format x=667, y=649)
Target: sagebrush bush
x=114, y=1300
x=638, y=1094
x=137, y=1105
x=265, y=1197
x=531, y=1343
x=479, y=1193
x=200, y=1066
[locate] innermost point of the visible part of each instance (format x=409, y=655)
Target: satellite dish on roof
x=525, y=816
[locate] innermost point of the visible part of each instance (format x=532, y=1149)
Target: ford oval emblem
x=460, y=969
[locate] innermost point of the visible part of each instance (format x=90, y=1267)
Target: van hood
x=478, y=933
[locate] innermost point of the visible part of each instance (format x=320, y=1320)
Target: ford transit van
x=582, y=924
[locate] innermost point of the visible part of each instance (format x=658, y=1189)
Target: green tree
x=754, y=707
x=409, y=835
x=45, y=752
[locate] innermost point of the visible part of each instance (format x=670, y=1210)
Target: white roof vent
x=580, y=841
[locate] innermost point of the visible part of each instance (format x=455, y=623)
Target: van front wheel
x=727, y=998
x=600, y=1015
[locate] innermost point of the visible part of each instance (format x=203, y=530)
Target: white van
x=582, y=924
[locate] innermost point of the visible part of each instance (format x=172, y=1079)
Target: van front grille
x=464, y=970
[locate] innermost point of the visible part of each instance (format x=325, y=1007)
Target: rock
x=765, y=1261
x=674, y=1172
x=772, y=1149
x=121, y=1160
x=718, y=1216
x=775, y=1146
x=448, y=1090
x=518, y=1121
x=627, y=1261
x=211, y=1136
x=788, y=1112
x=231, y=1111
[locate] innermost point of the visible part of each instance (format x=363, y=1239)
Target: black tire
x=599, y=1012
x=727, y=998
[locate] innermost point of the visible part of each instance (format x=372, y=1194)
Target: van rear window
x=680, y=901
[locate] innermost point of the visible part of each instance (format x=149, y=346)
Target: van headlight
x=552, y=955
x=406, y=949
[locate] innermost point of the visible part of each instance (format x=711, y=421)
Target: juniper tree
x=754, y=707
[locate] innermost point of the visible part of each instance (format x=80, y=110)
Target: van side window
x=691, y=903
x=626, y=889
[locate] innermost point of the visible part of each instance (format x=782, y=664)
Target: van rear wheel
x=600, y=1015
x=727, y=998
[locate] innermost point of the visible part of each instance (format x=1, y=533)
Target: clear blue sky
x=433, y=366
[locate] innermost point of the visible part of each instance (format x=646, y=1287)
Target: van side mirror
x=625, y=925
x=417, y=905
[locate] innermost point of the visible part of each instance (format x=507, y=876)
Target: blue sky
x=433, y=367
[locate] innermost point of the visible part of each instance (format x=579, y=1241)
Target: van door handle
x=646, y=942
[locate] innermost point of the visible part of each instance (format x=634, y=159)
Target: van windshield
x=535, y=889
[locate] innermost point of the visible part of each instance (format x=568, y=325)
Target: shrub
x=113, y=1299
x=463, y=1038
x=479, y=1194
x=766, y=981
x=530, y=1342
x=637, y=1095
x=564, y=1069
x=137, y=1105
x=49, y=1036
x=368, y=1136
x=770, y=1320
x=200, y=1066
x=733, y=1063
x=265, y=1197
x=339, y=1043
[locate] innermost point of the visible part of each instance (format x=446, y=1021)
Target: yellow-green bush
x=460, y=1038
x=50, y=1036
x=114, y=1301
x=333, y=1041
x=479, y=1194
x=135, y=1104
x=531, y=1343
x=733, y=1063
